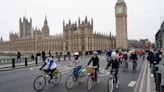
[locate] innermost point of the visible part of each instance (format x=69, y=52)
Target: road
x=21, y=80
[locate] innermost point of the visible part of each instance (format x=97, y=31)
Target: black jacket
x=95, y=61
x=151, y=57
x=115, y=64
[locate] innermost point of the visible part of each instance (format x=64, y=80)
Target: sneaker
x=152, y=75
x=50, y=81
x=116, y=85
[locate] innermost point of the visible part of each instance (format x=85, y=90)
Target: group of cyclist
x=114, y=58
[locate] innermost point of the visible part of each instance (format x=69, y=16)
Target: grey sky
x=143, y=15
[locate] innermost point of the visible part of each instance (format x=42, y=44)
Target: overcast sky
x=144, y=16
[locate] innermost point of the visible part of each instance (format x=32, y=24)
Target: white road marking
x=31, y=68
x=103, y=72
x=131, y=84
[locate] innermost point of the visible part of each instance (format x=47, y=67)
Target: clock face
x=119, y=10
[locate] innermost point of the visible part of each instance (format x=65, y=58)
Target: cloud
x=143, y=15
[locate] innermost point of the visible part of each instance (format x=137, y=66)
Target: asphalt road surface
x=21, y=80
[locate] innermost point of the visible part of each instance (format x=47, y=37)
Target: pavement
x=21, y=80
x=151, y=87
x=18, y=65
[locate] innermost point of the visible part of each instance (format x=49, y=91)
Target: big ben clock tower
x=121, y=24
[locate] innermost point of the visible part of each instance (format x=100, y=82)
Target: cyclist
x=50, y=67
x=125, y=57
x=134, y=58
x=76, y=64
x=115, y=66
x=109, y=53
x=95, y=62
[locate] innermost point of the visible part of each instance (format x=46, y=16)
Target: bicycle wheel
x=56, y=78
x=110, y=85
x=69, y=82
x=89, y=83
x=39, y=83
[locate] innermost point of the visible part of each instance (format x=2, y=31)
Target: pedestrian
x=151, y=59
x=43, y=56
x=18, y=57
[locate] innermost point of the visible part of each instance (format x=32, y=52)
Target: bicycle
x=71, y=78
x=112, y=80
x=134, y=66
x=40, y=81
x=91, y=77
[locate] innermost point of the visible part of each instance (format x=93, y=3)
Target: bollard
x=36, y=60
x=158, y=81
x=25, y=61
x=13, y=63
x=162, y=87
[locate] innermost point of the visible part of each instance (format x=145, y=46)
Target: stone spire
x=79, y=21
x=86, y=19
x=45, y=28
x=69, y=21
x=45, y=21
x=63, y=23
x=1, y=39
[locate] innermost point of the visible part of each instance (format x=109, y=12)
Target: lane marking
x=131, y=84
x=103, y=72
x=31, y=68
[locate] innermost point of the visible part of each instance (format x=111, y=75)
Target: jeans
x=76, y=71
x=115, y=72
x=152, y=66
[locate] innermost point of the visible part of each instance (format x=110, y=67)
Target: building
x=76, y=37
x=159, y=37
x=121, y=24
x=141, y=44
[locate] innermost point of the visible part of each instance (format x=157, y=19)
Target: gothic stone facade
x=75, y=37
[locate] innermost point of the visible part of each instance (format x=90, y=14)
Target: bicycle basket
x=90, y=70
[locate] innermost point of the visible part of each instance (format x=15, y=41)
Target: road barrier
x=142, y=76
x=159, y=84
x=162, y=87
x=158, y=81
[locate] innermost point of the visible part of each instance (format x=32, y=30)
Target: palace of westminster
x=78, y=36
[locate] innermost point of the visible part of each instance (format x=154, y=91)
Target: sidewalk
x=6, y=67
x=150, y=82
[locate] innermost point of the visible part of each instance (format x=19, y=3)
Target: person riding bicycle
x=95, y=63
x=134, y=58
x=109, y=53
x=115, y=66
x=51, y=66
x=125, y=57
x=76, y=64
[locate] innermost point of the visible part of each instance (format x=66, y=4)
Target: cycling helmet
x=94, y=52
x=113, y=55
x=76, y=55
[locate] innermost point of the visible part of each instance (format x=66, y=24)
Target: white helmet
x=76, y=53
x=94, y=52
x=113, y=55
